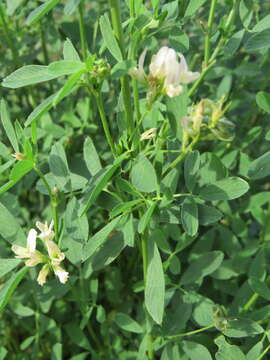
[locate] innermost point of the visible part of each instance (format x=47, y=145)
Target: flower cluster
x=208, y=116
x=166, y=73
x=33, y=257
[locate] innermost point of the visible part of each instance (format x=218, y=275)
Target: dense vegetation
x=134, y=179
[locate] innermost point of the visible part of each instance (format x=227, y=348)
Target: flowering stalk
x=53, y=200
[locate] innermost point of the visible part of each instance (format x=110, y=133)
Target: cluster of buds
x=33, y=257
x=208, y=116
x=166, y=73
x=99, y=69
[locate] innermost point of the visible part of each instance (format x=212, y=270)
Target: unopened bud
x=19, y=156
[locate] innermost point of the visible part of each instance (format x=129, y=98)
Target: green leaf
x=144, y=220
x=196, y=351
x=204, y=265
x=6, y=265
x=260, y=288
x=69, y=51
x=226, y=189
x=128, y=231
x=7, y=124
x=242, y=328
x=91, y=157
x=10, y=286
x=67, y=88
x=100, y=183
x=189, y=216
x=28, y=75
x=40, y=110
x=41, y=11
x=77, y=336
x=12, y=6
x=98, y=239
x=120, y=208
x=263, y=24
x=234, y=42
x=227, y=351
x=10, y=229
x=65, y=67
x=208, y=214
x=122, y=68
x=193, y=6
x=71, y=6
x=191, y=167
x=59, y=167
x=263, y=101
x=143, y=175
x=57, y=351
x=258, y=41
x=125, y=322
x=77, y=230
x=155, y=283
x=20, y=169
x=108, y=37
x=260, y=167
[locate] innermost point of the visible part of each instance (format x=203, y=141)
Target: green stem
x=201, y=78
x=191, y=332
x=145, y=265
x=264, y=352
x=104, y=122
x=182, y=155
x=53, y=201
x=82, y=31
x=9, y=39
x=252, y=299
x=209, y=32
x=117, y=27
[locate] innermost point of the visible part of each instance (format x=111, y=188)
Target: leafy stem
x=191, y=332
x=53, y=200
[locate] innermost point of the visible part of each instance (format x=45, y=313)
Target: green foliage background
x=166, y=242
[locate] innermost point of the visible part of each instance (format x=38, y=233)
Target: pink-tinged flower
x=42, y=276
x=29, y=253
x=46, y=232
x=61, y=274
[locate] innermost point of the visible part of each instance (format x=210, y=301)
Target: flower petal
x=21, y=252
x=42, y=276
x=61, y=274
x=31, y=240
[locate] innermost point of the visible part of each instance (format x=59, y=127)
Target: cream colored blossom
x=46, y=232
x=166, y=71
x=61, y=274
x=55, y=254
x=29, y=253
x=42, y=276
x=148, y=134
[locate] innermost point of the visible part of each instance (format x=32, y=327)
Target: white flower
x=46, y=232
x=139, y=72
x=55, y=254
x=42, y=276
x=61, y=274
x=30, y=254
x=148, y=134
x=186, y=76
x=165, y=68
